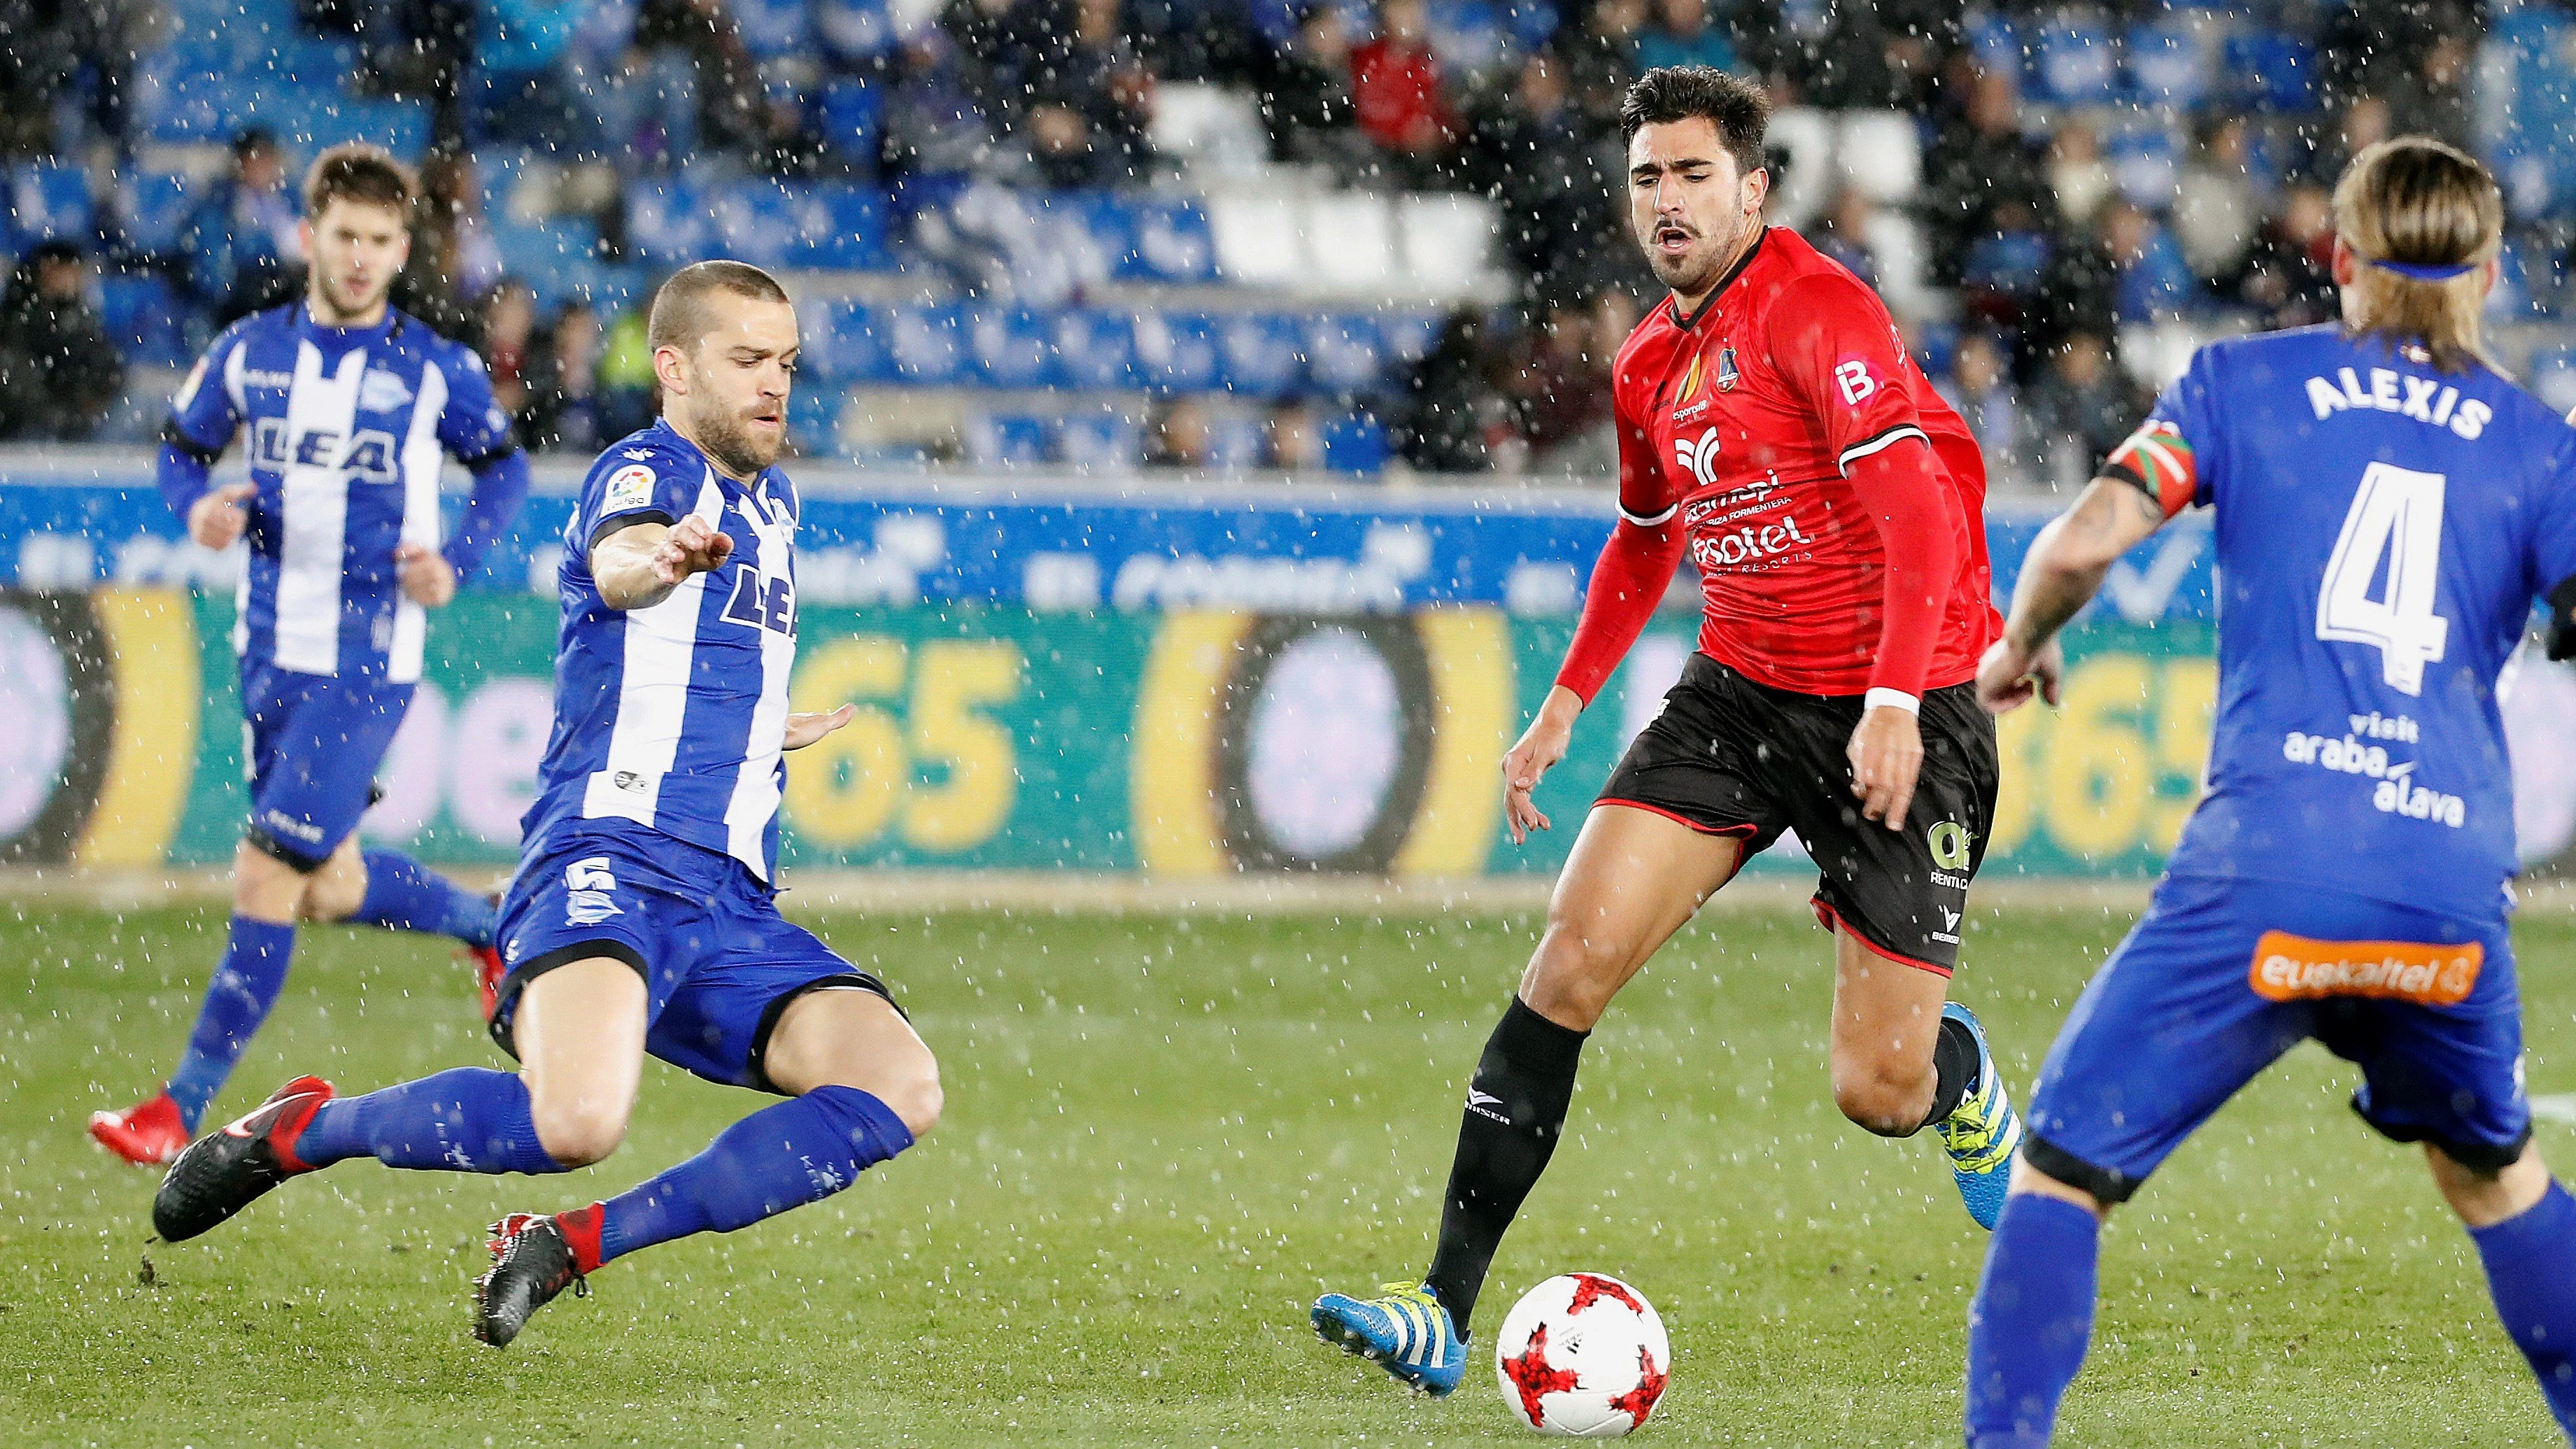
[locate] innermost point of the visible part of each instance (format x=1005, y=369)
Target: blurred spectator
x=693, y=59
x=2431, y=97
x=1439, y=426
x=2078, y=293
x=454, y=261
x=933, y=123
x=1291, y=439
x=517, y=89
x=1682, y=34
x=2081, y=409
x=1178, y=435
x=1091, y=102
x=789, y=145
x=1981, y=388
x=2150, y=280
x=1866, y=54
x=1600, y=55
x=1398, y=94
x=562, y=412
x=244, y=242
x=1980, y=173
x=2077, y=173
x=1558, y=388
x=2215, y=212
x=1842, y=232
x=628, y=394
x=2288, y=277
x=59, y=373
x=1558, y=184
x=509, y=335
x=35, y=66
x=1305, y=96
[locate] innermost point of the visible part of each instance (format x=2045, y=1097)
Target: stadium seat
x=1408, y=333
x=843, y=343
x=1806, y=184
x=1448, y=242
x=1881, y=154
x=667, y=222
x=1099, y=442
x=1095, y=349
x=771, y=28
x=850, y=112
x=1010, y=347
x=1471, y=36
x=1177, y=352
x=1350, y=240
x=927, y=344
x=2553, y=377
x=50, y=201
x=2272, y=71
x=1994, y=42
x=155, y=206
x=1209, y=128
x=144, y=320
x=853, y=33
x=2167, y=66
x=1256, y=238
x=2075, y=63
x=1233, y=442
x=763, y=223
x=1171, y=241
x=2009, y=262
x=1005, y=440
x=1262, y=352
x=1355, y=443
x=1345, y=353
x=2146, y=167
x=814, y=418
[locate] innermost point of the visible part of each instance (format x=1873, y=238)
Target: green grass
x=1164, y=1136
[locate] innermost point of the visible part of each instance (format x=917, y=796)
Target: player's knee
x=577, y=1134
x=333, y=895
x=1575, y=973
x=1878, y=1098
x=917, y=1099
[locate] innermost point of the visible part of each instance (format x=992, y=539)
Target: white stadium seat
x=1881, y=154
x=1811, y=180
x=1448, y=243
x=1350, y=240
x=1257, y=241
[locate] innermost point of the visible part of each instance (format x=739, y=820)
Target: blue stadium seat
x=144, y=320
x=762, y=222
x=1408, y=335
x=667, y=221
x=843, y=344
x=1233, y=442
x=2075, y=63
x=846, y=228
x=1010, y=347
x=853, y=32
x=1262, y=352
x=1355, y=443
x=1992, y=39
x=2009, y=262
x=2513, y=299
x=2553, y=377
x=155, y=205
x=2272, y=71
x=1177, y=352
x=2146, y=166
x=1107, y=442
x=49, y=201
x=771, y=28
x=1160, y=238
x=2166, y=67
x=1005, y=440
x=1095, y=349
x=309, y=120
x=851, y=112
x=1345, y=353
x=814, y=418
x=927, y=344
x=2159, y=285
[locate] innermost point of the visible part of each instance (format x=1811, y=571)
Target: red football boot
x=488, y=972
x=147, y=1134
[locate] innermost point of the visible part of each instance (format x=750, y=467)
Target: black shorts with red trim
x=1729, y=756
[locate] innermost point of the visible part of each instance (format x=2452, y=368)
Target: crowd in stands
x=2056, y=200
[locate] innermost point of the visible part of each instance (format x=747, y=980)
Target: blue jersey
x=2382, y=531
x=347, y=430
x=673, y=716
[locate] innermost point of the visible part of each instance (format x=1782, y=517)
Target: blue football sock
x=2033, y=1314
x=777, y=1158
x=2531, y=1270
x=469, y=1119
x=404, y=895
x=244, y=987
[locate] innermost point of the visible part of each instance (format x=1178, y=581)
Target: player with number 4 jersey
x=2387, y=508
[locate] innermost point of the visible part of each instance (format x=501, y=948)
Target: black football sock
x=1515, y=1112
x=1954, y=1069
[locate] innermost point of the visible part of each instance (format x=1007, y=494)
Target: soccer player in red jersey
x=1773, y=428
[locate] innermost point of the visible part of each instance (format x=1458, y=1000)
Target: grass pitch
x=1164, y=1137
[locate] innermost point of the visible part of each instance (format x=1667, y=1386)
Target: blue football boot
x=1406, y=1332
x=1982, y=1132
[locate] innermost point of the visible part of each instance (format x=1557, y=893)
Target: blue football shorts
x=720, y=964
x=313, y=743
x=2223, y=976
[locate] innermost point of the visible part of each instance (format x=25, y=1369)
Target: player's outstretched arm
x=639, y=565
x=2059, y=576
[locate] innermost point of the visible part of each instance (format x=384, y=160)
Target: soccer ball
x=1583, y=1356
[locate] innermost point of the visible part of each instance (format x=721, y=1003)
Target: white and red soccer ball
x=1583, y=1356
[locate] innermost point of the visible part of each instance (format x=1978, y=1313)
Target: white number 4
x=2397, y=515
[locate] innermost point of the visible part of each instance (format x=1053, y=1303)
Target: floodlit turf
x=1164, y=1137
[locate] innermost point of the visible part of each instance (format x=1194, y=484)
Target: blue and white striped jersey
x=674, y=716
x=347, y=430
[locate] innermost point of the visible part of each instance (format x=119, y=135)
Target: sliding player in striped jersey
x=644, y=915
x=348, y=410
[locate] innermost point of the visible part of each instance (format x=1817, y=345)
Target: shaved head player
x=1772, y=427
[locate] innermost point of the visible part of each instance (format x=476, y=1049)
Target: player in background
x=644, y=917
x=2388, y=505
x=1773, y=426
x=348, y=410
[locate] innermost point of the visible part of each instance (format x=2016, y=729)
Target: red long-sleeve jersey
x=1832, y=501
